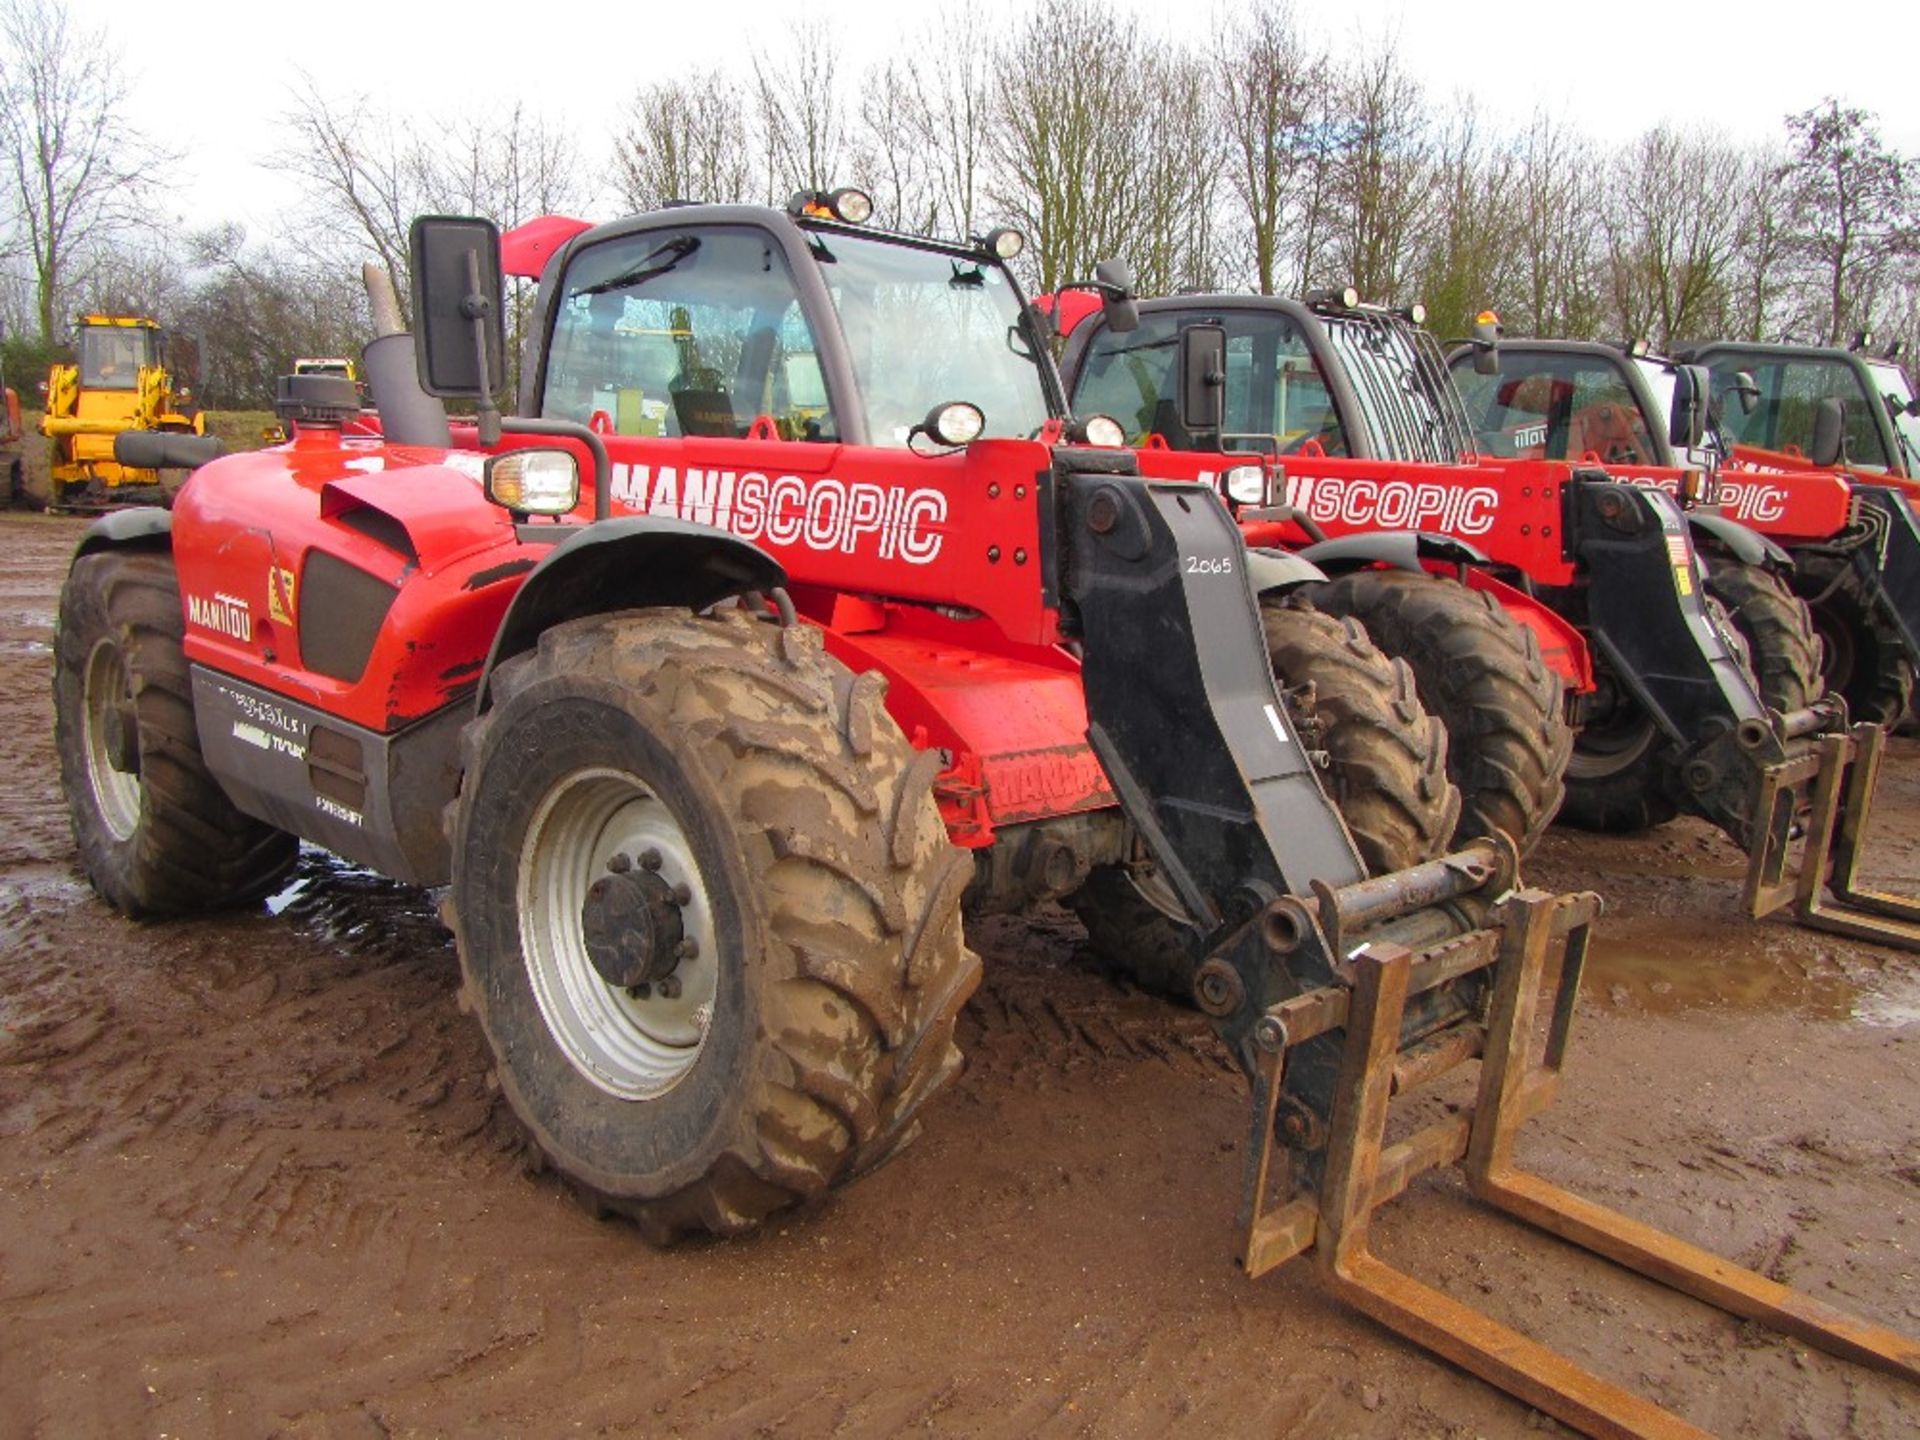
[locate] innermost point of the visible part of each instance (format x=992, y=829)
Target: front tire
x=1386, y=773
x=1481, y=674
x=1781, y=640
x=1862, y=656
x=156, y=834
x=813, y=1013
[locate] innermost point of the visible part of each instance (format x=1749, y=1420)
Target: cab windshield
x=1408, y=402
x=111, y=356
x=924, y=327
x=1891, y=382
x=1791, y=389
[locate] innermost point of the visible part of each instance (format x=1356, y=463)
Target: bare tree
x=1469, y=253
x=1853, y=209
x=1557, y=291
x=803, y=124
x=1380, y=175
x=1068, y=104
x=80, y=175
x=1266, y=104
x=1672, y=219
x=685, y=139
x=361, y=175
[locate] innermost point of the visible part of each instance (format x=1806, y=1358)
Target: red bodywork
x=1761, y=461
x=967, y=642
x=1512, y=512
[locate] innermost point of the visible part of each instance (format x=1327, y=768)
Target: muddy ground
x=251, y=1183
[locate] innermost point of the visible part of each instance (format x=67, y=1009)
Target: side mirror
x=1117, y=300
x=459, y=328
x=1486, y=344
x=1829, y=433
x=1746, y=390
x=1691, y=386
x=1203, y=377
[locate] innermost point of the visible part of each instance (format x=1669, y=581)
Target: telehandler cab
x=1339, y=419
x=856, y=624
x=1850, y=552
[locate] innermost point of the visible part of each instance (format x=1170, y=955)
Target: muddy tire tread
x=192, y=850
x=862, y=993
x=1481, y=674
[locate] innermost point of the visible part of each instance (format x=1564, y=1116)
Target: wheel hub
x=120, y=735
x=632, y=925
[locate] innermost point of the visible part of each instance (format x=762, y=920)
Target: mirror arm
x=479, y=309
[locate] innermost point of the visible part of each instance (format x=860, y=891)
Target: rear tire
x=1481, y=674
x=156, y=834
x=1386, y=772
x=1863, y=658
x=815, y=1014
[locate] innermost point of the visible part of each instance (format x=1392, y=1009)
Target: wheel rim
x=109, y=707
x=632, y=1047
x=1614, y=740
x=1839, y=657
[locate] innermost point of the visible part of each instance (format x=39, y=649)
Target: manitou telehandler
x=118, y=382
x=1350, y=416
x=710, y=757
x=1850, y=552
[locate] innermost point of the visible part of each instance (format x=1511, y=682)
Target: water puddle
x=1695, y=972
x=357, y=909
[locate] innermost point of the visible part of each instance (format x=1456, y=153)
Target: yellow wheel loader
x=118, y=382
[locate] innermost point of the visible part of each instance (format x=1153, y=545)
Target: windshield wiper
x=658, y=263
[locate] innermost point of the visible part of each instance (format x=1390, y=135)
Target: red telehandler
x=851, y=621
x=1349, y=414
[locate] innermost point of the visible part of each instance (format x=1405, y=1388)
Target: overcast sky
x=211, y=81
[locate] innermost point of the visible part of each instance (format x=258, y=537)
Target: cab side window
x=1276, y=398
x=695, y=332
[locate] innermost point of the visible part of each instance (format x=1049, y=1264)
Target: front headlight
x=1246, y=484
x=1105, y=430
x=534, y=482
x=955, y=423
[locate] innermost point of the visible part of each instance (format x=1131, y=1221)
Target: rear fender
x=627, y=564
x=1402, y=549
x=139, y=527
x=1717, y=535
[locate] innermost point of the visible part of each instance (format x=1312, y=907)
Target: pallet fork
x=1360, y=1172
x=1825, y=796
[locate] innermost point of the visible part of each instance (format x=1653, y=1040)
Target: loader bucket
x=1532, y=936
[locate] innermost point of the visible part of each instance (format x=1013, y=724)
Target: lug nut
x=669, y=987
x=687, y=948
x=649, y=859
x=642, y=991
x=682, y=895
x=620, y=864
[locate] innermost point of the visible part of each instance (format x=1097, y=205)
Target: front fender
x=1402, y=549
x=628, y=564
x=1278, y=571
x=137, y=527
x=1749, y=547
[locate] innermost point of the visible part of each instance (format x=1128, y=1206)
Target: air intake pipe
x=408, y=415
